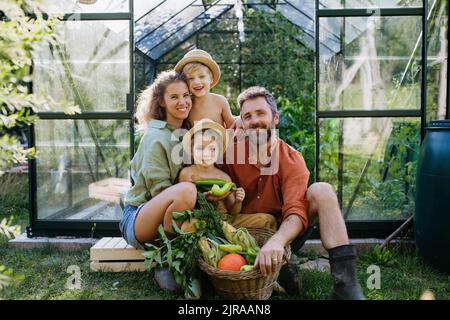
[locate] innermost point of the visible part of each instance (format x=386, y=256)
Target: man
x=277, y=192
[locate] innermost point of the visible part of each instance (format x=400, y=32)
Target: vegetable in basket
x=210, y=251
x=247, y=267
x=231, y=262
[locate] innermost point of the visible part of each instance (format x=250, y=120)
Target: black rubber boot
x=166, y=281
x=289, y=278
x=343, y=269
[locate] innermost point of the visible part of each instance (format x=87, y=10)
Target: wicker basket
x=250, y=285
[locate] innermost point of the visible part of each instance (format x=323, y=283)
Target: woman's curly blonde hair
x=149, y=100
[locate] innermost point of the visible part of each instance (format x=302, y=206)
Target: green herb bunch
x=180, y=254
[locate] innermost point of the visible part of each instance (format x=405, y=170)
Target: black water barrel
x=432, y=215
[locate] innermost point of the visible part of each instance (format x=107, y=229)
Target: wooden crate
x=115, y=255
x=110, y=189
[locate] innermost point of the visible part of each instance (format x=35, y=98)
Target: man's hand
x=270, y=256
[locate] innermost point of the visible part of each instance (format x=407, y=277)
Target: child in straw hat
x=204, y=144
x=203, y=74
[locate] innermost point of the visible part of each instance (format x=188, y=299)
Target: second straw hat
x=203, y=125
x=203, y=57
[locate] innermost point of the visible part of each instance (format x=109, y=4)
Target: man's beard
x=263, y=136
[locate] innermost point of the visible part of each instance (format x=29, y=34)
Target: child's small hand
x=239, y=194
x=237, y=124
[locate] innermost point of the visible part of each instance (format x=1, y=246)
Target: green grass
x=42, y=274
x=14, y=198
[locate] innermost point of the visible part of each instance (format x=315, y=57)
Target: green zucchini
x=209, y=182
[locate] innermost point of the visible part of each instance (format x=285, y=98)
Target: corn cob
x=243, y=238
x=228, y=231
x=210, y=251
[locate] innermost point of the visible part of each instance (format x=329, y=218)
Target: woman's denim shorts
x=126, y=225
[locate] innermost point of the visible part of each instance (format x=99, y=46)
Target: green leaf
x=176, y=265
x=179, y=215
x=175, y=227
x=179, y=255
x=158, y=259
x=162, y=233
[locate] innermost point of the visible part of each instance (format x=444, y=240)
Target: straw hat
x=200, y=125
x=203, y=57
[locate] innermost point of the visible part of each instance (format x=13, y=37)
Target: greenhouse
x=354, y=100
x=98, y=98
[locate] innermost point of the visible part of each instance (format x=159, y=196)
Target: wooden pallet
x=115, y=255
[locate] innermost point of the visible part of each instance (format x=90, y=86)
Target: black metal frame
x=93, y=228
x=370, y=227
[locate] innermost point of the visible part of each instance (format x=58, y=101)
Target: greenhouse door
x=370, y=108
x=81, y=172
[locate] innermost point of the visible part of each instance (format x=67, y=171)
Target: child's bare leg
x=179, y=197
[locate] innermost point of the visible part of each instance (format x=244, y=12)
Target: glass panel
x=188, y=30
x=223, y=47
x=301, y=13
x=377, y=68
x=144, y=72
x=437, y=72
x=229, y=84
x=165, y=19
x=226, y=22
x=339, y=4
x=371, y=162
x=77, y=6
x=142, y=7
x=176, y=54
x=94, y=75
x=82, y=168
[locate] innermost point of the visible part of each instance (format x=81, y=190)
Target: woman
x=161, y=109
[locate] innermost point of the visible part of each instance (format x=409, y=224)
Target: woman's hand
x=239, y=195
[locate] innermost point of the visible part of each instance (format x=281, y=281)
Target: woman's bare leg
x=179, y=197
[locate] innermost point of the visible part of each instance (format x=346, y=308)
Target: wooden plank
x=101, y=243
x=116, y=255
x=111, y=244
x=121, y=245
x=117, y=266
x=115, y=249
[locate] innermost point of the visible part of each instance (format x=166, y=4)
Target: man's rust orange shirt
x=282, y=192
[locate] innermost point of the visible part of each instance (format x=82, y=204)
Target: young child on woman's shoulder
x=203, y=73
x=205, y=143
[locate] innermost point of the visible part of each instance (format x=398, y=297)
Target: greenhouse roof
x=161, y=25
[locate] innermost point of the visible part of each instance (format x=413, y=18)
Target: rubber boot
x=289, y=279
x=166, y=281
x=343, y=269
